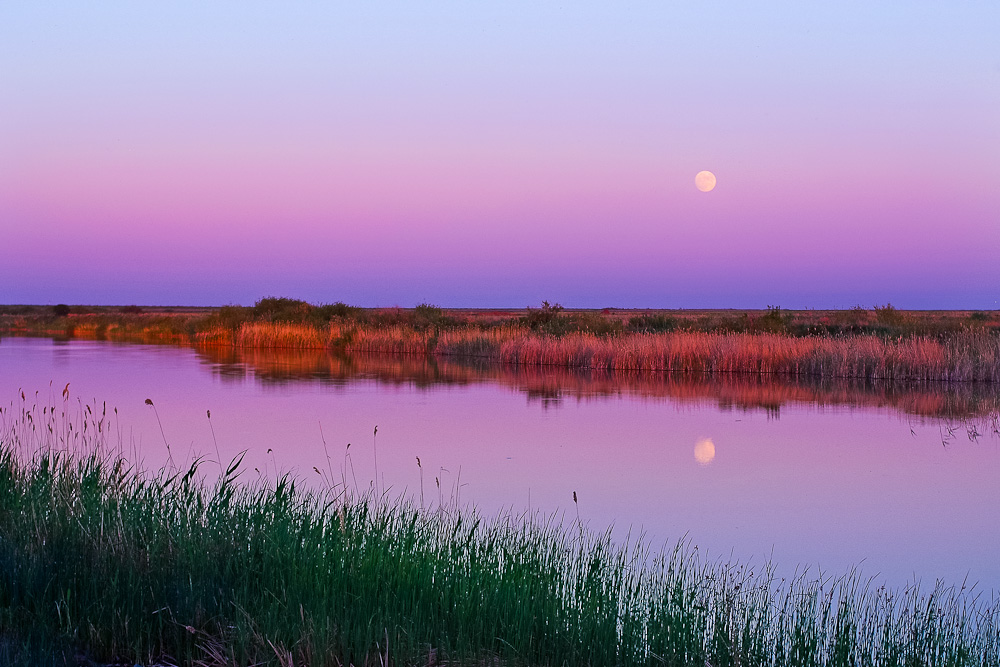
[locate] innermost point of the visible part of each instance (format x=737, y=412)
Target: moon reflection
x=704, y=451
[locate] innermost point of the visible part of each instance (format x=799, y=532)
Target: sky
x=501, y=154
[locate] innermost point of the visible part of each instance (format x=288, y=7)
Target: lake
x=899, y=482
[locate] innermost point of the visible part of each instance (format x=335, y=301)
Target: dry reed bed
x=967, y=358
x=383, y=340
x=279, y=335
x=152, y=327
x=972, y=356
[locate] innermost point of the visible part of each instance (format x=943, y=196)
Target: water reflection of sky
x=829, y=482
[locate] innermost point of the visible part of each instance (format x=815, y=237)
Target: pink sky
x=461, y=156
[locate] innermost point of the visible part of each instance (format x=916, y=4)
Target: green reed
x=102, y=561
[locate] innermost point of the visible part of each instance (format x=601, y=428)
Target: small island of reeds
x=103, y=563
x=877, y=344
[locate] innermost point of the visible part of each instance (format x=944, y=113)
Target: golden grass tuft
x=279, y=335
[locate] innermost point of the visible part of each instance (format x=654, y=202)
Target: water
x=829, y=477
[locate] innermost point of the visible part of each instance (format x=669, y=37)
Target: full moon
x=705, y=181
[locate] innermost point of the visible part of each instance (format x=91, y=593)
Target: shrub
x=774, y=321
x=339, y=309
x=426, y=316
x=231, y=317
x=281, y=309
x=652, y=323
x=593, y=323
x=888, y=314
x=543, y=317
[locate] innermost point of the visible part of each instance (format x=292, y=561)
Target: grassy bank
x=180, y=321
x=103, y=562
x=969, y=356
x=880, y=344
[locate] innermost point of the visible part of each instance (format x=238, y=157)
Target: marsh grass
x=968, y=357
x=102, y=561
x=279, y=335
x=878, y=344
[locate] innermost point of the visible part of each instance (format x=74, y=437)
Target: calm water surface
x=828, y=477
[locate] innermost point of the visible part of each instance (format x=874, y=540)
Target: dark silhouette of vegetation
x=652, y=323
x=60, y=310
x=288, y=311
x=341, y=310
x=553, y=320
x=774, y=321
x=541, y=318
x=426, y=316
x=888, y=315
x=281, y=309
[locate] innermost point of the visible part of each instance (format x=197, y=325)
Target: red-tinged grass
x=171, y=328
x=280, y=335
x=969, y=357
x=965, y=346
x=382, y=340
x=216, y=336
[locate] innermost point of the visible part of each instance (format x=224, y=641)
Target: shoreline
x=883, y=344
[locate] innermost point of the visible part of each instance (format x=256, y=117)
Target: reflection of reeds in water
x=105, y=562
x=938, y=400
